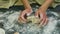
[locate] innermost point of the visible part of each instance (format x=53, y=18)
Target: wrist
x=41, y=9
x=29, y=9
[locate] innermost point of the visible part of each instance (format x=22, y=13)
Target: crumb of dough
x=2, y=31
x=16, y=33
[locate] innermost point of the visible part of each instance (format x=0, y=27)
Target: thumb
x=29, y=13
x=36, y=14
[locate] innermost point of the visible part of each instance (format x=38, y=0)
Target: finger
x=41, y=19
x=42, y=22
x=46, y=22
x=22, y=17
x=36, y=14
x=29, y=13
x=20, y=20
x=43, y=16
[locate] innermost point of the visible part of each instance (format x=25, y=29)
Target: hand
x=42, y=16
x=24, y=14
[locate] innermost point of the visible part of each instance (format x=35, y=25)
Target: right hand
x=24, y=14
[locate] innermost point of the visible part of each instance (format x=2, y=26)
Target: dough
x=2, y=31
x=31, y=19
x=16, y=33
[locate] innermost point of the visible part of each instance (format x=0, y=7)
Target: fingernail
x=36, y=16
x=28, y=14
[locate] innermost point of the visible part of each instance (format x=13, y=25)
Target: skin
x=40, y=12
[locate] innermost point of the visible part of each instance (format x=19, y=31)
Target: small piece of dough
x=16, y=33
x=2, y=31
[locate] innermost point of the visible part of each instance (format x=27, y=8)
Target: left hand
x=23, y=15
x=42, y=16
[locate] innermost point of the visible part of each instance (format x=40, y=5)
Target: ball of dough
x=16, y=33
x=2, y=31
x=33, y=19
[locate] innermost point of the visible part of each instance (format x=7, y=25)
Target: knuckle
x=46, y=18
x=20, y=16
x=41, y=18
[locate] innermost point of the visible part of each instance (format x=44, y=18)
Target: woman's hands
x=40, y=14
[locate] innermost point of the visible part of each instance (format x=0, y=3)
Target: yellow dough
x=33, y=19
x=2, y=31
x=16, y=33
